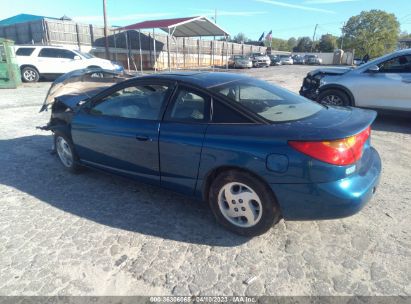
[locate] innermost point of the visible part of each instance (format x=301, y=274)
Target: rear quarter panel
x=250, y=147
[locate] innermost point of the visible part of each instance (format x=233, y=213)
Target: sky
x=286, y=18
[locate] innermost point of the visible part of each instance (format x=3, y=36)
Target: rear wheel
x=30, y=74
x=334, y=97
x=65, y=152
x=243, y=204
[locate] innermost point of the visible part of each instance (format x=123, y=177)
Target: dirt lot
x=95, y=234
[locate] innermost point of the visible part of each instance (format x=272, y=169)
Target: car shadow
x=392, y=123
x=28, y=166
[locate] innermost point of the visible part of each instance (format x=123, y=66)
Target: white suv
x=37, y=61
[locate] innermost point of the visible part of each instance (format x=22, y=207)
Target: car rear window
x=24, y=51
x=268, y=101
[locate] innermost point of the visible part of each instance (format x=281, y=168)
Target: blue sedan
x=254, y=151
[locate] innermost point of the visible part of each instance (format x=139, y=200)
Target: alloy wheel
x=29, y=75
x=64, y=152
x=333, y=100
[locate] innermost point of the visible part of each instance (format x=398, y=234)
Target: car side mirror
x=77, y=57
x=373, y=69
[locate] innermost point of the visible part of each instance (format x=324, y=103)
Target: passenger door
x=181, y=139
x=119, y=132
x=389, y=88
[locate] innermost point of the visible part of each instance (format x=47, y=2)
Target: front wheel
x=65, y=151
x=243, y=204
x=334, y=98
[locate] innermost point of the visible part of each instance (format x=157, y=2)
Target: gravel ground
x=95, y=234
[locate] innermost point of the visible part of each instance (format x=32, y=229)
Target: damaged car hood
x=81, y=84
x=330, y=71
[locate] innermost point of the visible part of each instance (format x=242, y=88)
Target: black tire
x=340, y=98
x=74, y=166
x=30, y=74
x=270, y=210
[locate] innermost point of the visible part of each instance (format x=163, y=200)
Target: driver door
x=389, y=88
x=119, y=132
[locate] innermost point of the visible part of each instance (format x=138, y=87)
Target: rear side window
x=268, y=101
x=24, y=51
x=56, y=53
x=189, y=106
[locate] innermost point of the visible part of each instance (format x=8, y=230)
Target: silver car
x=240, y=61
x=286, y=59
x=383, y=83
x=313, y=59
x=260, y=60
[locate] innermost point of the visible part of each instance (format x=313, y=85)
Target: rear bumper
x=331, y=200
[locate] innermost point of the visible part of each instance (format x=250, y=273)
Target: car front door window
x=137, y=102
x=400, y=64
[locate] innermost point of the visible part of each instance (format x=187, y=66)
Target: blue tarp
x=22, y=18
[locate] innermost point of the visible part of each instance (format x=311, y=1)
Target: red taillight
x=340, y=152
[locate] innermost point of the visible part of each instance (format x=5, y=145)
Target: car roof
x=402, y=52
x=40, y=46
x=201, y=79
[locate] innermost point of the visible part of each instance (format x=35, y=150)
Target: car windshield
x=242, y=57
x=268, y=101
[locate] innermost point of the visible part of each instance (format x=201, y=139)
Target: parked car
x=313, y=59
x=286, y=59
x=240, y=61
x=254, y=151
x=49, y=61
x=384, y=83
x=260, y=60
x=275, y=60
x=298, y=59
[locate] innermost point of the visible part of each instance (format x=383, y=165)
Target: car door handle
x=142, y=137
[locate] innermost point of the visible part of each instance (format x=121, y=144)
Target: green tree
x=240, y=37
x=372, y=32
x=279, y=44
x=291, y=43
x=303, y=45
x=328, y=43
x=405, y=35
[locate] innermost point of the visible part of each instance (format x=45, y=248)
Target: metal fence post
x=168, y=51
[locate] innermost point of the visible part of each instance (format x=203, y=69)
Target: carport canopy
x=199, y=26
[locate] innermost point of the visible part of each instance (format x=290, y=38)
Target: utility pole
x=312, y=44
x=105, y=30
x=342, y=36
